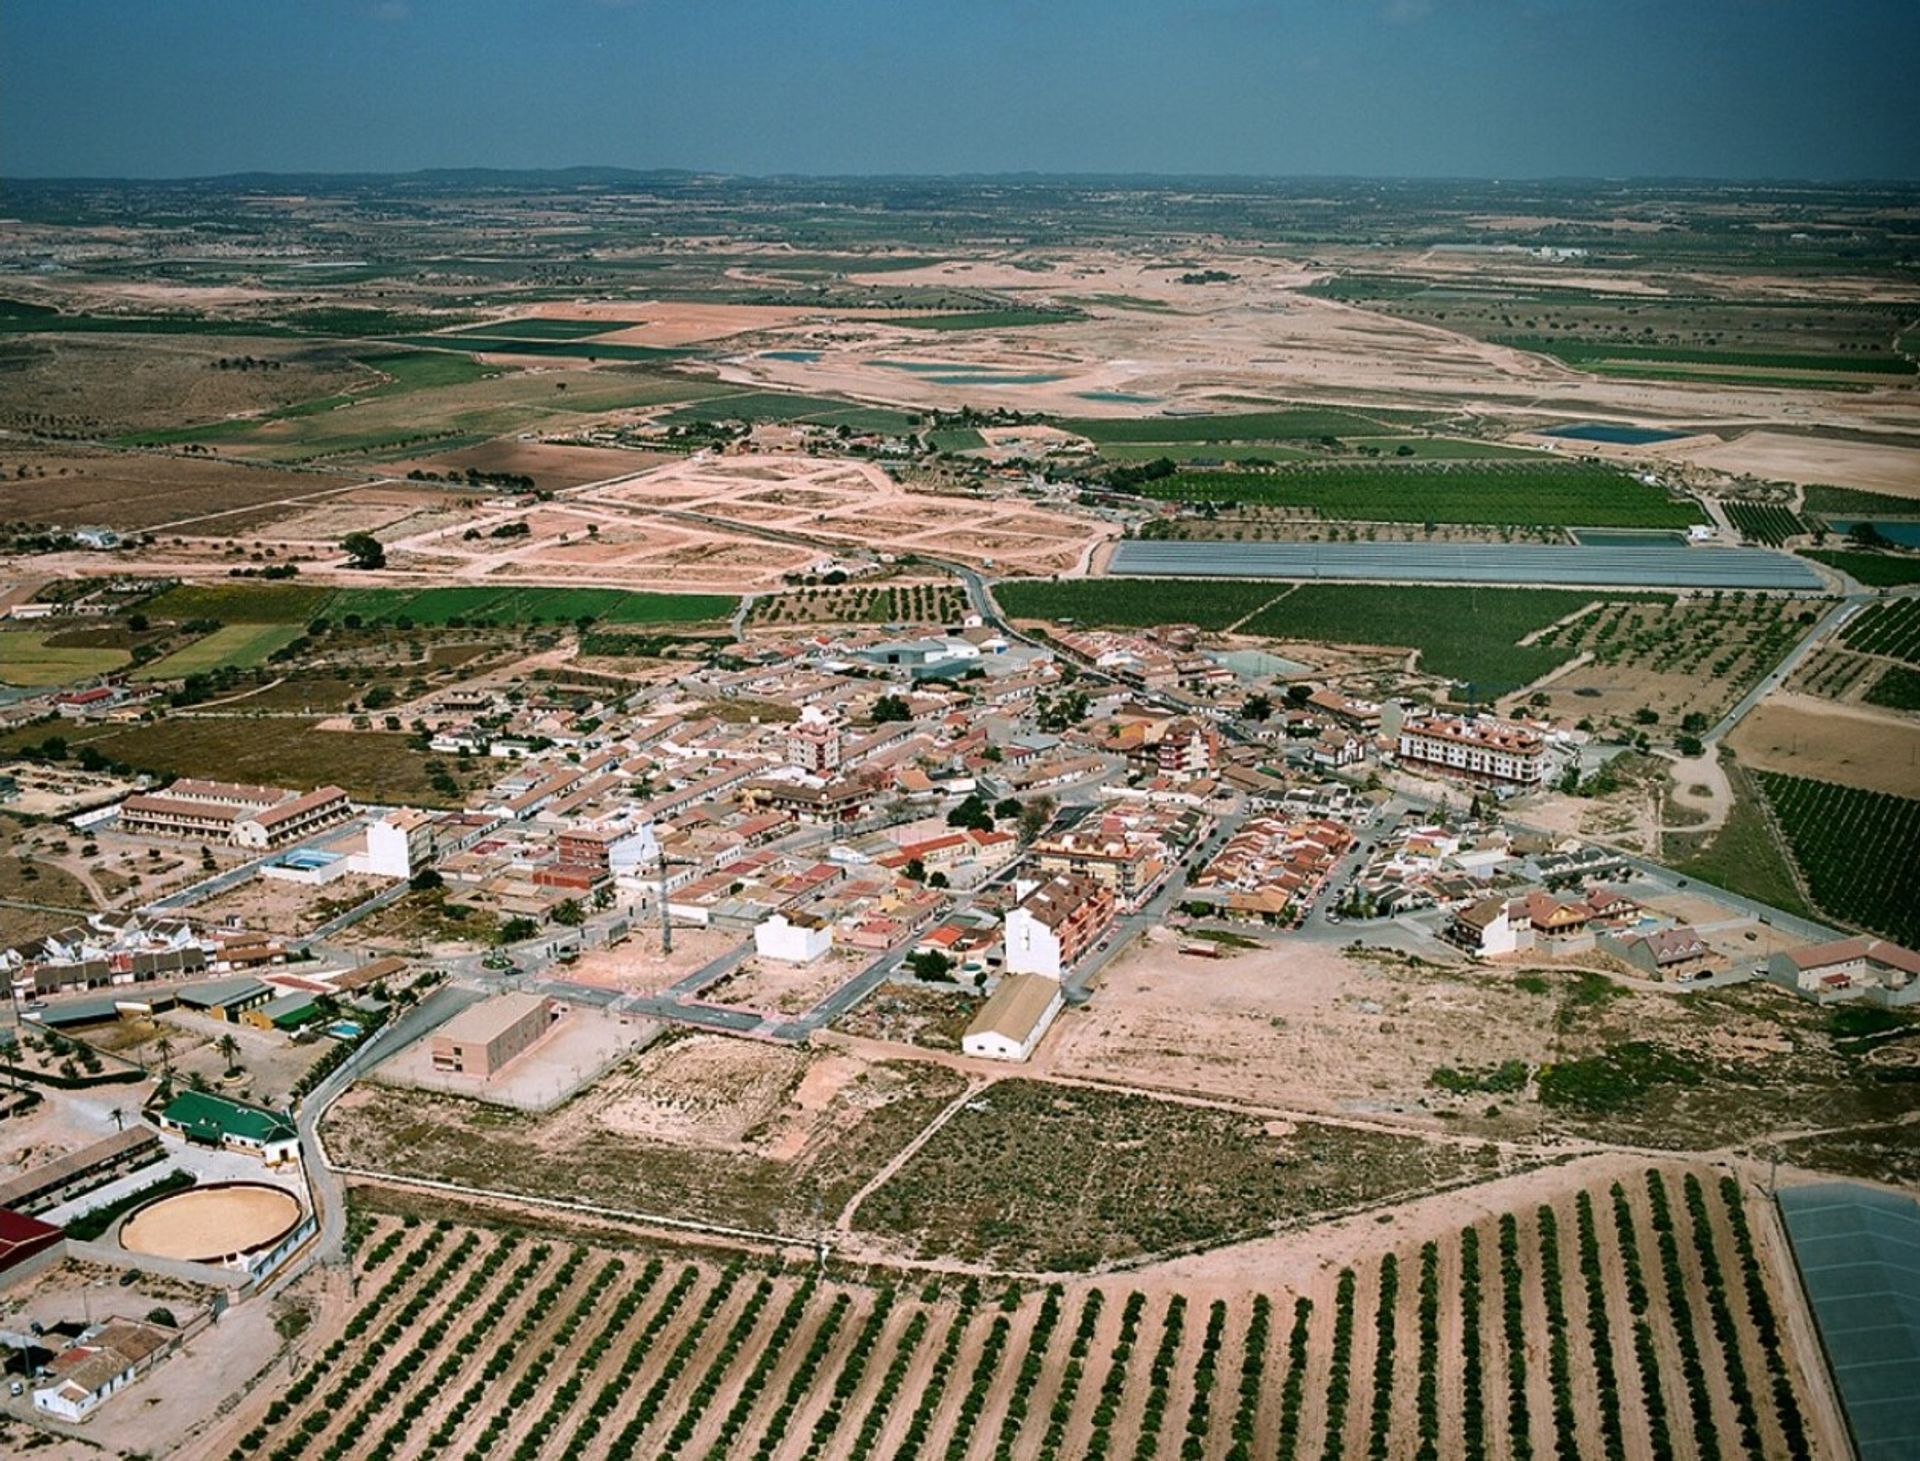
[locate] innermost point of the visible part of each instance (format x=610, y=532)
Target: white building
x=1013, y=1019
x=399, y=845
x=1479, y=748
x=792, y=938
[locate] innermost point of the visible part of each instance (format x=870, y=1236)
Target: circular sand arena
x=218, y=1224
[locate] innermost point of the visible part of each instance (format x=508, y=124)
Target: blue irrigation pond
x=1626, y=538
x=1906, y=534
x=1611, y=434
x=803, y=356
x=959, y=373
x=1526, y=565
x=1118, y=398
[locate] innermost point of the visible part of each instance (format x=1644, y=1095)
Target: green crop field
x=1856, y=849
x=1129, y=603
x=240, y=604
x=1468, y=635
x=241, y=646
x=1588, y=352
x=1308, y=423
x=542, y=329
x=1850, y=502
x=1545, y=494
x=29, y=661
x=1202, y=451
x=1764, y=522
x=1891, y=628
x=566, y=349
x=1898, y=688
x=956, y=438
x=1876, y=570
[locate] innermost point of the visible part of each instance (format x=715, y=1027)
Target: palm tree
x=230, y=1048
x=163, y=1047
x=119, y=1119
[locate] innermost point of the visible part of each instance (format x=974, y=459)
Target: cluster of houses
x=109, y=950
x=1273, y=868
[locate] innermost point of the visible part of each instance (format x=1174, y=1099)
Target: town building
x=792, y=938
x=483, y=1038
x=105, y=1358
x=1678, y=953
x=1877, y=971
x=1049, y=930
x=262, y=817
x=399, y=845
x=45, y=1187
x=813, y=742
x=204, y=1119
x=1015, y=1016
x=1477, y=748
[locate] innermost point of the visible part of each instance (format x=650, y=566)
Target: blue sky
x=1460, y=88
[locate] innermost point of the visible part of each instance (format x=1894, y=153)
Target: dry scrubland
x=1621, y=1320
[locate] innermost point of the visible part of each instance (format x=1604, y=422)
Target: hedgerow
x=1786, y=1404
x=1383, y=1319
x=1339, y=1376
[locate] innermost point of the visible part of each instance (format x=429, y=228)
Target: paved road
x=219, y=882
x=326, y=1192
x=1829, y=623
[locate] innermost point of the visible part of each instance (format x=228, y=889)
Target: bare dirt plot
x=788, y=989
x=1801, y=735
x=129, y=490
x=276, y=906
x=703, y=1127
x=1294, y=1025
x=1776, y=455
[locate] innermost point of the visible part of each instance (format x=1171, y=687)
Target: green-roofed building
x=210, y=1120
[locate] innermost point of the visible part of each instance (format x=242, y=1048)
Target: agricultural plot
x=540, y=329
x=1890, y=628
x=1572, y=494
x=1470, y=635
x=1898, y=688
x=1875, y=570
x=1687, y=656
x=1132, y=603
x=236, y=646
x=1306, y=424
x=1607, y=353
x=566, y=349
x=986, y=319
x=1856, y=849
x=1037, y=1177
x=1764, y=522
x=258, y=604
x=921, y=603
x=758, y=406
x=30, y=658
x=1852, y=502
x=1570, y=1327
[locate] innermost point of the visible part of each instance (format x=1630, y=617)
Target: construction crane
x=666, y=918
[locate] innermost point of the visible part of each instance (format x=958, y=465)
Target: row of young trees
x=936, y=1386
x=504, y=1353
x=1426, y=1400
x=1514, y=1330
x=607, y=1399
x=1383, y=1323
x=853, y=1370
x=1646, y=1358
x=1032, y=1366
x=1253, y=1364
x=1599, y=1330
x=1114, y=1385
x=627, y=1442
x=800, y=1386
x=1714, y=1282
x=1693, y=1369
x=1566, y=1439
x=1062, y=1409
x=1294, y=1388
x=1160, y=1379
x=985, y=1365
x=1339, y=1368
x=1786, y=1405
x=1205, y=1370
x=708, y=1385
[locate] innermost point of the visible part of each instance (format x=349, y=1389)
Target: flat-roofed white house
x=792, y=938
x=1013, y=1019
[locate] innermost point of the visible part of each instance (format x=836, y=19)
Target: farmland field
x=1513, y=494
x=1876, y=570
x=567, y=348
x=239, y=645
x=986, y=319
x=1305, y=424
x=1131, y=603
x=370, y=765
x=1891, y=628
x=1036, y=1177
x=243, y=603
x=1856, y=849
x=539, y=328
x=1605, y=353
x=28, y=659
x=1764, y=522
x=1642, y=1307
x=1898, y=688
x=1464, y=634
